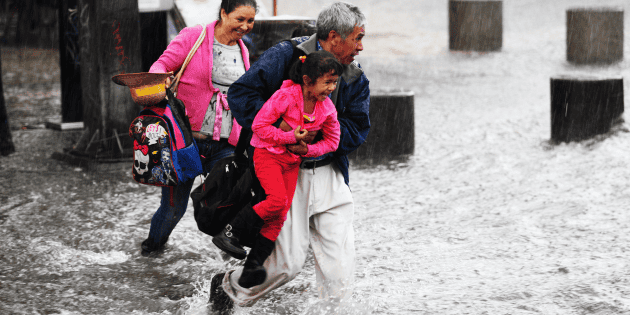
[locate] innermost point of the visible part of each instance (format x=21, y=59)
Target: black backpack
x=229, y=187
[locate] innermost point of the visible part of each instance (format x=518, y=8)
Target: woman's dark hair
x=314, y=66
x=231, y=5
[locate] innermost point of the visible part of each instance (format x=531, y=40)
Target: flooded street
x=486, y=217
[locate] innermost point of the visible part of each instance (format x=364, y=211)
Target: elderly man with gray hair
x=322, y=210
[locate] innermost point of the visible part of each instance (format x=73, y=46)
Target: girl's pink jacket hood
x=195, y=87
x=287, y=103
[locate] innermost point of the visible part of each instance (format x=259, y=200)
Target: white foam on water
x=56, y=257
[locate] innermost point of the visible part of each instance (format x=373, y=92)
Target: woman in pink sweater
x=218, y=62
x=304, y=105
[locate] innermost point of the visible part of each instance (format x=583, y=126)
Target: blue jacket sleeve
x=355, y=116
x=247, y=95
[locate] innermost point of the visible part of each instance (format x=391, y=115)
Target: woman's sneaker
x=149, y=246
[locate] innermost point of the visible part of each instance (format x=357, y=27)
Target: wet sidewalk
x=31, y=87
x=32, y=94
x=485, y=218
x=71, y=235
x=62, y=227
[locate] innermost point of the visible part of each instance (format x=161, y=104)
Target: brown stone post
x=267, y=32
x=392, y=128
x=475, y=25
x=583, y=107
x=594, y=35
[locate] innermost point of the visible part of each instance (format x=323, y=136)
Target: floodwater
x=486, y=217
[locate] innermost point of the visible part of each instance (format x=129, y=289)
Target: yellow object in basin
x=146, y=88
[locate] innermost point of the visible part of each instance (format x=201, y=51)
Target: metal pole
x=6, y=141
x=275, y=7
x=71, y=92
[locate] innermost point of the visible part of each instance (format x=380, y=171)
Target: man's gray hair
x=340, y=17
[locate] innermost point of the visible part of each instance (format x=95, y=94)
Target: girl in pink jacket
x=303, y=104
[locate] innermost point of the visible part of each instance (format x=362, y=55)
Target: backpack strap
x=296, y=54
x=179, y=113
x=243, y=142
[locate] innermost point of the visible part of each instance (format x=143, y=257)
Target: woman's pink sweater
x=195, y=87
x=288, y=103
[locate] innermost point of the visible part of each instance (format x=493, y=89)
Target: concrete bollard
x=269, y=31
x=594, y=35
x=475, y=25
x=583, y=107
x=392, y=130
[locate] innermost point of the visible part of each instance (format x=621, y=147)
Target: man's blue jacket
x=247, y=95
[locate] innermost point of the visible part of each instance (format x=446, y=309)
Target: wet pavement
x=486, y=217
x=70, y=236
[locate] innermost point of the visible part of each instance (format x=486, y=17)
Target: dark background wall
x=32, y=23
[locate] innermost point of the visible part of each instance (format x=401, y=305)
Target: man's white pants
x=321, y=215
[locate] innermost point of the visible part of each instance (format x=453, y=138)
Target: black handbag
x=229, y=186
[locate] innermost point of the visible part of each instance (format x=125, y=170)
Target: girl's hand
x=311, y=136
x=299, y=149
x=300, y=134
x=308, y=139
x=284, y=126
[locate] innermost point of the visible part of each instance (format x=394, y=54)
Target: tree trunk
x=109, y=40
